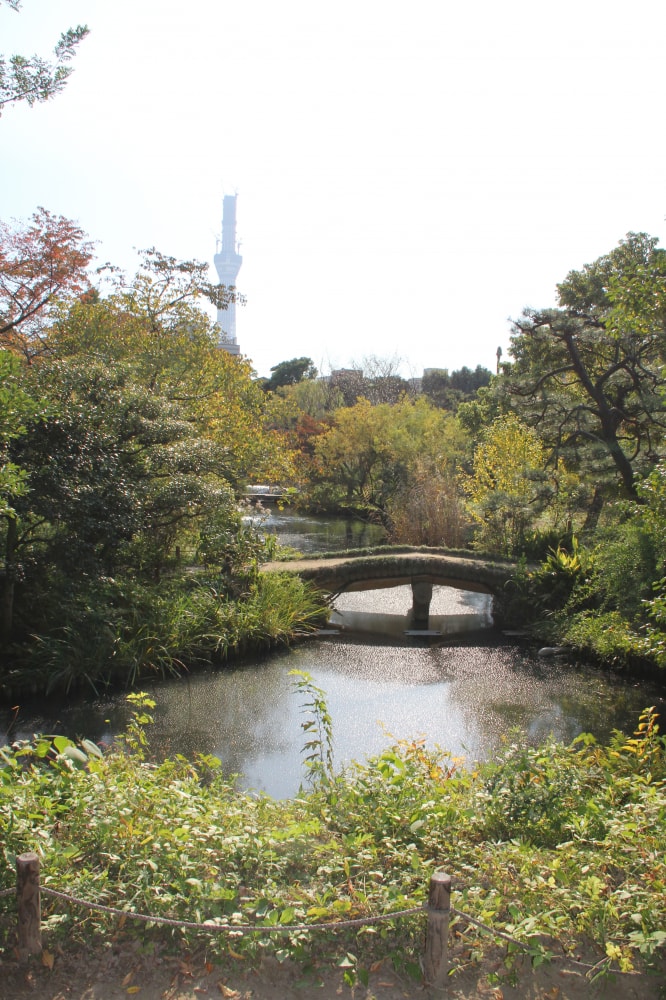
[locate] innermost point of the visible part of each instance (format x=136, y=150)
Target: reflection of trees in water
x=502, y=689
x=309, y=533
x=610, y=703
x=237, y=715
x=464, y=696
x=99, y=722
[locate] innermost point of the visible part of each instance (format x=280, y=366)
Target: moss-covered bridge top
x=363, y=571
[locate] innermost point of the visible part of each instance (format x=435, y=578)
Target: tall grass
x=121, y=634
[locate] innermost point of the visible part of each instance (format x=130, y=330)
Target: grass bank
x=115, y=633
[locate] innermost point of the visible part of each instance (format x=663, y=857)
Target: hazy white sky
x=409, y=176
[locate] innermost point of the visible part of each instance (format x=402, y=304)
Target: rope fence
x=438, y=909
x=211, y=926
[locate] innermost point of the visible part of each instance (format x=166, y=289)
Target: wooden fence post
x=435, y=965
x=29, y=905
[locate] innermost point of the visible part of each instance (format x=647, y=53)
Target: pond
x=463, y=690
x=320, y=533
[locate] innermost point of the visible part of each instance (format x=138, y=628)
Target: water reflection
x=386, y=611
x=464, y=696
x=463, y=690
x=309, y=533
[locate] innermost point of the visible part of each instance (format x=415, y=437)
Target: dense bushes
x=603, y=597
x=115, y=632
x=549, y=844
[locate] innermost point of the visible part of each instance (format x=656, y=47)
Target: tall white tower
x=227, y=264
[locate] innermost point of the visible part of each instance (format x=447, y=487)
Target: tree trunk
x=594, y=511
x=10, y=579
x=608, y=417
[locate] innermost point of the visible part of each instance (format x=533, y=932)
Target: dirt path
x=112, y=975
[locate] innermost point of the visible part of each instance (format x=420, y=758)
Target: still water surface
x=463, y=690
x=316, y=533
x=461, y=693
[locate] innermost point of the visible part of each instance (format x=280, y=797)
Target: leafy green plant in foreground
x=549, y=844
x=318, y=728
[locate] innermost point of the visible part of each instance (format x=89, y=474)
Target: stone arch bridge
x=420, y=568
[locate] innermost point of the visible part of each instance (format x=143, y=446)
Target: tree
x=140, y=435
x=430, y=508
x=163, y=283
x=375, y=379
x=16, y=408
x=115, y=475
x=40, y=263
x=16, y=411
x=318, y=398
x=32, y=79
x=289, y=373
x=382, y=381
x=302, y=412
x=153, y=324
x=589, y=375
x=449, y=390
x=469, y=381
x=436, y=385
x=368, y=457
x=507, y=488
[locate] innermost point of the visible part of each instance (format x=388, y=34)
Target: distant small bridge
x=265, y=494
x=421, y=568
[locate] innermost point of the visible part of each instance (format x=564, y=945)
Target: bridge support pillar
x=421, y=597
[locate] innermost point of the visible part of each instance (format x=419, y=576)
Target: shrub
x=550, y=845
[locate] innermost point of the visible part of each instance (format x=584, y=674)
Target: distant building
x=227, y=264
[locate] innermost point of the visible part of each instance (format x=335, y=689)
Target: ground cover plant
x=552, y=846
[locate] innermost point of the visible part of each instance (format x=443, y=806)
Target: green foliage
x=653, y=642
x=289, y=373
x=508, y=488
x=234, y=546
x=16, y=408
x=370, y=456
x=32, y=79
x=114, y=631
x=589, y=376
x=153, y=325
x=449, y=390
x=528, y=796
x=563, y=569
x=607, y=601
x=535, y=595
x=569, y=600
x=552, y=845
x=111, y=464
x=141, y=432
x=627, y=561
x=318, y=729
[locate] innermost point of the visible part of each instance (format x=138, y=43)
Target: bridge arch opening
x=389, y=611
